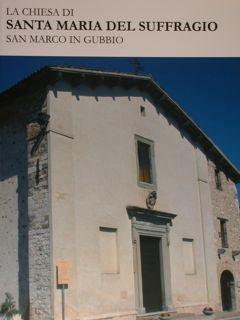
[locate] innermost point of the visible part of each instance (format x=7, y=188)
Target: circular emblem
x=151, y=199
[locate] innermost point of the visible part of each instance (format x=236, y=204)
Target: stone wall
x=14, y=213
x=39, y=227
x=225, y=205
x=25, y=268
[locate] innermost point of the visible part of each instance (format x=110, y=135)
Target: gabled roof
x=49, y=75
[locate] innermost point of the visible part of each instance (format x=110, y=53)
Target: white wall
x=93, y=179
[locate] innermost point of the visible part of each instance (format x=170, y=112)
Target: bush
x=8, y=309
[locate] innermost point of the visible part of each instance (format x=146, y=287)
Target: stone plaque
x=238, y=283
x=63, y=269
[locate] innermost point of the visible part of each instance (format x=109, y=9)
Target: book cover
x=119, y=159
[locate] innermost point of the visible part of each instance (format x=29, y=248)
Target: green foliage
x=8, y=307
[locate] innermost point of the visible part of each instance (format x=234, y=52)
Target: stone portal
x=150, y=234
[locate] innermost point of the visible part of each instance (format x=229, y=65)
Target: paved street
x=187, y=316
x=216, y=316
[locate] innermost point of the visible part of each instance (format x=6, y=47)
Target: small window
x=218, y=179
x=188, y=256
x=223, y=232
x=145, y=157
x=108, y=250
x=142, y=111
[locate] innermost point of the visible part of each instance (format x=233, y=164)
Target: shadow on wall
x=14, y=213
x=162, y=105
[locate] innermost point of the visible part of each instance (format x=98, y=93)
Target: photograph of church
x=114, y=203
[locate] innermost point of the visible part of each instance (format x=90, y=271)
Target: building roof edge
x=50, y=74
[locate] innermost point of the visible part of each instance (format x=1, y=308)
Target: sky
x=207, y=89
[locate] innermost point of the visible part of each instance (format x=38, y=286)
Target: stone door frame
x=157, y=224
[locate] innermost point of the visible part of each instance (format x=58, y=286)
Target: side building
x=227, y=236
x=108, y=194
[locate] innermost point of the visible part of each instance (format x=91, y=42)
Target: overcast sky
x=208, y=89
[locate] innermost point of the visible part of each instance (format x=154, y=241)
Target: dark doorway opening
x=228, y=291
x=151, y=273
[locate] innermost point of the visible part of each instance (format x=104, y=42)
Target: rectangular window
x=188, y=256
x=145, y=157
x=218, y=180
x=108, y=250
x=223, y=232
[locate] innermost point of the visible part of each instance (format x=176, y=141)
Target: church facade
x=114, y=202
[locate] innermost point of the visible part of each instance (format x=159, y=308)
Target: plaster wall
x=94, y=178
x=207, y=221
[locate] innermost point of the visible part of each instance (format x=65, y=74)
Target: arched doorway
x=228, y=291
